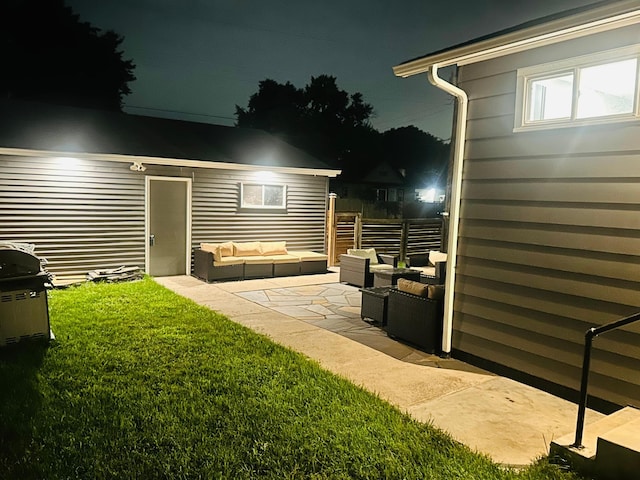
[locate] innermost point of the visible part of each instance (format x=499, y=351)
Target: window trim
x=263, y=206
x=574, y=66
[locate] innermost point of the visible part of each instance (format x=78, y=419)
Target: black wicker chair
x=415, y=319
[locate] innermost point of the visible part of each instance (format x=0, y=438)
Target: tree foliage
x=422, y=156
x=335, y=126
x=49, y=55
x=320, y=118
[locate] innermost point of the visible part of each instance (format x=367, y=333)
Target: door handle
x=152, y=240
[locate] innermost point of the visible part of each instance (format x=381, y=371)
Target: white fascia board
x=175, y=162
x=598, y=20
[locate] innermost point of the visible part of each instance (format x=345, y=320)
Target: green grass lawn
x=141, y=383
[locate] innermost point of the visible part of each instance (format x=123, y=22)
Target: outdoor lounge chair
x=358, y=265
x=432, y=266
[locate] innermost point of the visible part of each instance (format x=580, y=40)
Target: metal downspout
x=454, y=210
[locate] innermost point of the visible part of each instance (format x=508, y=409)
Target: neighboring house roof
x=384, y=174
x=575, y=23
x=34, y=128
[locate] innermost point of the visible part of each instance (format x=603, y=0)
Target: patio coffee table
x=389, y=277
x=374, y=304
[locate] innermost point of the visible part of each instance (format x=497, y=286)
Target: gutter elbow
x=442, y=84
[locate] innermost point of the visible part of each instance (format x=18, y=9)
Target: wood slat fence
x=402, y=237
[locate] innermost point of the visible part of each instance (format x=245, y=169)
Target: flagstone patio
x=336, y=307
x=333, y=301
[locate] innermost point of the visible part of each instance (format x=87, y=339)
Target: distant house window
x=263, y=196
x=381, y=194
x=593, y=89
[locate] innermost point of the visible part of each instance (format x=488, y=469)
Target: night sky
x=197, y=59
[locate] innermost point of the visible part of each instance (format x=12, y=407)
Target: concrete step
x=618, y=453
x=584, y=459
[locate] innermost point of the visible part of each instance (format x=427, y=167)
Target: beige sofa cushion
x=246, y=249
x=227, y=261
x=273, y=248
x=212, y=248
x=435, y=256
x=226, y=249
x=379, y=267
x=415, y=288
x=209, y=247
x=369, y=253
x=428, y=271
x=308, y=256
x=284, y=259
x=257, y=260
x=219, y=250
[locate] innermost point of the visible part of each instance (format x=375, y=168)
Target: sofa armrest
x=202, y=263
x=355, y=270
x=441, y=271
x=205, y=269
x=354, y=262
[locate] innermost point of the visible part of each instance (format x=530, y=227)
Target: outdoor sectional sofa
x=246, y=260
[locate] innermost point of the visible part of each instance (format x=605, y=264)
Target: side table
x=374, y=304
x=389, y=277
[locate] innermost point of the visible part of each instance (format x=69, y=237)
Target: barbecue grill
x=24, y=312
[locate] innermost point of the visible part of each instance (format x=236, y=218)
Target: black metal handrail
x=586, y=361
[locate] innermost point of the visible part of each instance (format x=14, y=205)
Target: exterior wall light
x=137, y=167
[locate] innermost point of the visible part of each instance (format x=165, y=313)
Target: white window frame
x=574, y=66
x=283, y=206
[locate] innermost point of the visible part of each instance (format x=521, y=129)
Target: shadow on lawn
x=20, y=397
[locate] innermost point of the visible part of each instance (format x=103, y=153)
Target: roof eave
x=176, y=162
x=592, y=21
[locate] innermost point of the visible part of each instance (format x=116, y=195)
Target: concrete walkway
x=319, y=317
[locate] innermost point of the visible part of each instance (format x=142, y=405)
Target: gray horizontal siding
x=93, y=217
x=549, y=240
x=217, y=216
x=81, y=219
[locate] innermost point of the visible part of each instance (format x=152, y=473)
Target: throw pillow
x=369, y=253
x=274, y=248
x=226, y=249
x=209, y=247
x=415, y=288
x=247, y=249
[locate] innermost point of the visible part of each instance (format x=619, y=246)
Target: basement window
x=263, y=196
x=593, y=89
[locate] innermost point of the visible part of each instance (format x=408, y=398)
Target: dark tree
x=320, y=118
x=424, y=157
x=49, y=55
x=276, y=108
x=334, y=126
